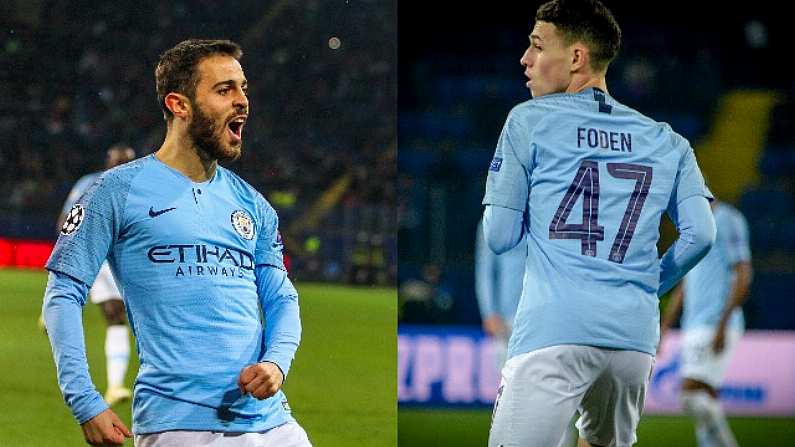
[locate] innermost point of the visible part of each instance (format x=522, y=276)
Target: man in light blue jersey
x=498, y=287
x=104, y=292
x=198, y=257
x=587, y=180
x=712, y=323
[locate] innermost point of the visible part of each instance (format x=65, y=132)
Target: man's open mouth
x=235, y=126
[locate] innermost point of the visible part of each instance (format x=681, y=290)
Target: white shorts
x=541, y=391
x=286, y=435
x=700, y=362
x=104, y=287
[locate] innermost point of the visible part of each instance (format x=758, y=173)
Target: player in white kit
x=712, y=323
x=586, y=180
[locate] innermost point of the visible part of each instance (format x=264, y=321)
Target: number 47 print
x=586, y=183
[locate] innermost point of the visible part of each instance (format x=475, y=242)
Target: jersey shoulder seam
x=260, y=201
x=533, y=107
x=239, y=180
x=125, y=175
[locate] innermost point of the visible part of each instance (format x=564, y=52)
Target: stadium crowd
x=78, y=77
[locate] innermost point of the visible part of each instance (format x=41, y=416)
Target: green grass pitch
x=342, y=385
x=470, y=428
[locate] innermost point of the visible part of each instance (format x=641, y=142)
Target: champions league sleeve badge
x=243, y=224
x=496, y=164
x=73, y=220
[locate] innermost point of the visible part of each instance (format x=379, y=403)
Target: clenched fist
x=262, y=380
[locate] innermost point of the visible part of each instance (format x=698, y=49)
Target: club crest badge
x=73, y=220
x=243, y=224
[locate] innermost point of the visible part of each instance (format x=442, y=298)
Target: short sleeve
x=689, y=180
x=269, y=249
x=508, y=181
x=90, y=229
x=737, y=240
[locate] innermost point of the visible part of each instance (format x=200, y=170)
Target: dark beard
x=203, y=132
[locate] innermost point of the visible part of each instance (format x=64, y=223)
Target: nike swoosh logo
x=153, y=213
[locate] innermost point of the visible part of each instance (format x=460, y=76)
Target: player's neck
x=185, y=158
x=580, y=83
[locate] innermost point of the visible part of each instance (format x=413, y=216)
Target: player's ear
x=178, y=104
x=579, y=56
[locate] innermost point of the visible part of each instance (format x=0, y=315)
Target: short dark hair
x=587, y=21
x=176, y=70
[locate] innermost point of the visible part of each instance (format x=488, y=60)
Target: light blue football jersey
x=708, y=284
x=184, y=255
x=79, y=188
x=595, y=177
x=498, y=278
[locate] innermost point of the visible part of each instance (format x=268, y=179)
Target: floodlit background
x=713, y=73
x=78, y=76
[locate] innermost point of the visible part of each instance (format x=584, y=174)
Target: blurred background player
x=105, y=292
x=498, y=287
x=712, y=323
x=594, y=178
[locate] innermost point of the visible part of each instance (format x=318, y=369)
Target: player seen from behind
x=586, y=180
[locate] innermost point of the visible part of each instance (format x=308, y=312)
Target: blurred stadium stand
x=718, y=86
x=76, y=77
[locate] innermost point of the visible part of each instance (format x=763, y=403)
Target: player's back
x=600, y=176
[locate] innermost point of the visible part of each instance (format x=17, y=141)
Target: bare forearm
x=673, y=308
x=739, y=291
